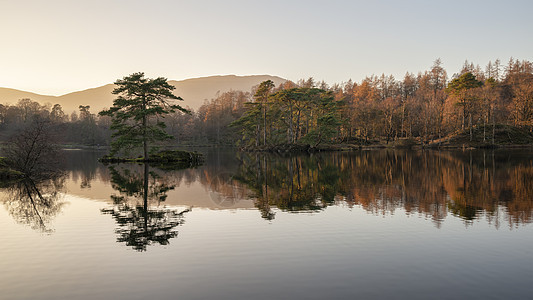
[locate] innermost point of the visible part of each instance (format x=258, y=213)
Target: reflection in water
x=468, y=185
x=137, y=210
x=492, y=184
x=84, y=167
x=35, y=203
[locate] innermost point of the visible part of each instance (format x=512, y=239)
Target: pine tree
x=137, y=111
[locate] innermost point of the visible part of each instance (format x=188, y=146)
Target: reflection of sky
x=229, y=254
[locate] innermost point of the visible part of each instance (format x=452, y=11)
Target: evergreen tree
x=459, y=87
x=137, y=111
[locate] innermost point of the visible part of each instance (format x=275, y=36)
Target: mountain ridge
x=194, y=91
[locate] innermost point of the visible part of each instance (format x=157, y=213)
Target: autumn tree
x=408, y=88
x=519, y=83
x=137, y=111
x=437, y=83
x=364, y=108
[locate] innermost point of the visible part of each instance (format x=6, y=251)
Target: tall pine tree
x=137, y=111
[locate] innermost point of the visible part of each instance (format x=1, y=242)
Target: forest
x=423, y=108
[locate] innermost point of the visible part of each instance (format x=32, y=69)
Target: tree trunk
x=264, y=125
x=484, y=122
x=470, y=124
x=257, y=135
x=145, y=196
x=493, y=127
x=144, y=125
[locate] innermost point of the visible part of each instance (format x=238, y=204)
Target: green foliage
x=462, y=83
x=247, y=124
x=289, y=116
x=324, y=131
x=137, y=111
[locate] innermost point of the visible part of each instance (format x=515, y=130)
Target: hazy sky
x=55, y=47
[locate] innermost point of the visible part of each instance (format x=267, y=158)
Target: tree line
x=81, y=128
x=426, y=106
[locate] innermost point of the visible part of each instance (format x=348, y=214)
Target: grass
x=504, y=135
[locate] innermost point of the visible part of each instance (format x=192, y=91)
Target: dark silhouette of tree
x=57, y=115
x=140, y=222
x=35, y=203
x=137, y=112
x=33, y=150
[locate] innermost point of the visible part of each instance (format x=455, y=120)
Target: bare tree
x=32, y=151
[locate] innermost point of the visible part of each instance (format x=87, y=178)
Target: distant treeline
x=424, y=106
x=81, y=128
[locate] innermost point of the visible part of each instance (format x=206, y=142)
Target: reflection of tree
x=35, y=203
x=301, y=183
x=468, y=185
x=84, y=167
x=141, y=224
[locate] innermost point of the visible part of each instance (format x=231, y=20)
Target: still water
x=362, y=225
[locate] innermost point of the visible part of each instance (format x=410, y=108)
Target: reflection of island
x=137, y=210
x=466, y=184
x=35, y=203
x=492, y=184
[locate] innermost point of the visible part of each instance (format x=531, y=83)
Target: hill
x=11, y=96
x=194, y=92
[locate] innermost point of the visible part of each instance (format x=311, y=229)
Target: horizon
x=169, y=79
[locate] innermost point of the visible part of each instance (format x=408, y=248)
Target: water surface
x=369, y=225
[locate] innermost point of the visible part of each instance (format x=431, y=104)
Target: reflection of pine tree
x=292, y=184
x=140, y=225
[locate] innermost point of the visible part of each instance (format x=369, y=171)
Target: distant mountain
x=193, y=91
x=11, y=96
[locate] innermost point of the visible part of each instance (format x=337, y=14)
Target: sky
x=55, y=47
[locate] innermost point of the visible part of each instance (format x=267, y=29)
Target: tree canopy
x=137, y=112
x=423, y=108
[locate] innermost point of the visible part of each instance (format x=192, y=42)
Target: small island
x=177, y=157
x=136, y=114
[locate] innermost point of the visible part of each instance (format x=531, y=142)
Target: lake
x=363, y=225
